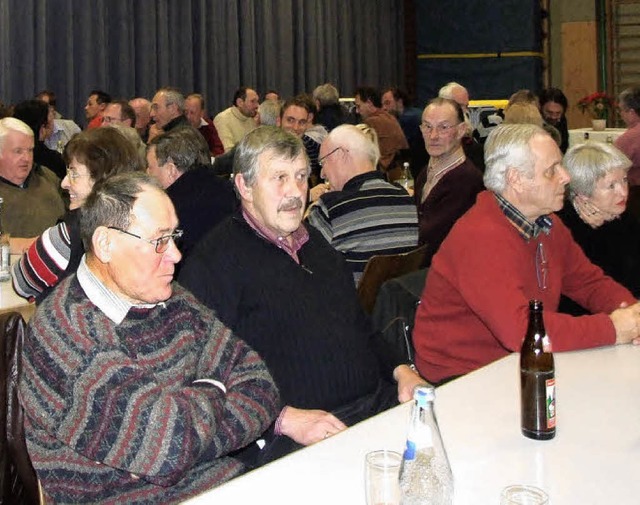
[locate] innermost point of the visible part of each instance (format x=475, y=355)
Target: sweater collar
x=356, y=182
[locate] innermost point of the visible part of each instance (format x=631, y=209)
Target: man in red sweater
x=510, y=248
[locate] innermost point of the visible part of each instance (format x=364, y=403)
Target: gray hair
x=280, y=143
x=111, y=201
x=8, y=124
x=508, y=146
x=587, y=163
x=326, y=94
x=630, y=99
x=185, y=147
x=173, y=96
x=354, y=139
x=446, y=91
x=269, y=111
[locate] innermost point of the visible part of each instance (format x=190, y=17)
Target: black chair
x=19, y=482
x=395, y=310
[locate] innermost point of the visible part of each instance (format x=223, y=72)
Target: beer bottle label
x=550, y=386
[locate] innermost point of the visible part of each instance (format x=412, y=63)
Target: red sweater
x=474, y=308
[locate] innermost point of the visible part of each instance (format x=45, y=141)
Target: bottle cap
x=424, y=394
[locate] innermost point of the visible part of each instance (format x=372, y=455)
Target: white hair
x=8, y=124
x=355, y=139
x=508, y=147
x=447, y=90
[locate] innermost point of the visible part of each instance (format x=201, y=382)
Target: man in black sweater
x=282, y=288
x=179, y=159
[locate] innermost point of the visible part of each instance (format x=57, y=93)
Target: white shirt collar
x=114, y=307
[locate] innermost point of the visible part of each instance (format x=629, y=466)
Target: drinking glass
x=523, y=495
x=381, y=477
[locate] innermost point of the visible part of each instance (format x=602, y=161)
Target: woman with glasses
x=597, y=217
x=90, y=157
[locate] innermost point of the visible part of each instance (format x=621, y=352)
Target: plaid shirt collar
x=526, y=228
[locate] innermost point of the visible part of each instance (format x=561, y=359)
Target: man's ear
x=514, y=179
x=246, y=192
x=102, y=244
x=172, y=171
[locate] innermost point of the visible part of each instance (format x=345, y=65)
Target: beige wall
x=574, y=65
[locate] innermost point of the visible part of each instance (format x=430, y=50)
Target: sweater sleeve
x=504, y=309
x=107, y=406
x=43, y=264
x=319, y=219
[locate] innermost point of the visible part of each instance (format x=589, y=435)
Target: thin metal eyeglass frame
x=161, y=243
x=321, y=160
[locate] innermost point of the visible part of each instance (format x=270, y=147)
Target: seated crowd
x=195, y=277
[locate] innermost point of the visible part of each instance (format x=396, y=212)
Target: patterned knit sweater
x=114, y=413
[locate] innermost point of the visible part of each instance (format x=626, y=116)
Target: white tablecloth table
x=592, y=460
x=10, y=301
x=581, y=135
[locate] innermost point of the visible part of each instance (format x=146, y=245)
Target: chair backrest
x=381, y=268
x=19, y=484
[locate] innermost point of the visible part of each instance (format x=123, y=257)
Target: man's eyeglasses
x=440, y=128
x=161, y=244
x=321, y=160
x=542, y=267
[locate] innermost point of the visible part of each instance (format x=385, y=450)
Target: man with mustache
x=507, y=249
x=281, y=287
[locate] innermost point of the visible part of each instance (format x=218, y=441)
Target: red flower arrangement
x=599, y=104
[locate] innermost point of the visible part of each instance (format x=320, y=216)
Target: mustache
x=291, y=204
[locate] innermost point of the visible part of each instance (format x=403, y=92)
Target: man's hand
x=407, y=380
x=318, y=190
x=310, y=426
x=626, y=321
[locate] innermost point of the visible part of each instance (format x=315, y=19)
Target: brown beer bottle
x=537, y=379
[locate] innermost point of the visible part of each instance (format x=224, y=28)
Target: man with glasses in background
x=130, y=386
x=447, y=187
x=508, y=249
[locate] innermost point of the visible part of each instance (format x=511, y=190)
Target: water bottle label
x=550, y=386
x=410, y=451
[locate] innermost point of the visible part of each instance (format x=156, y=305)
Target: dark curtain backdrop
x=131, y=47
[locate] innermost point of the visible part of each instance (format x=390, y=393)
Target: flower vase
x=599, y=125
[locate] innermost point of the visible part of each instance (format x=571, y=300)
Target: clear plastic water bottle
x=5, y=252
x=425, y=474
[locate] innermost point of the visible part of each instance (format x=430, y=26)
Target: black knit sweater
x=304, y=320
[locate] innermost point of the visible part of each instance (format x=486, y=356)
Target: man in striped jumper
x=133, y=391
x=362, y=214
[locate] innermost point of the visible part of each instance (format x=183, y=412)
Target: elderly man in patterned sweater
x=133, y=391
